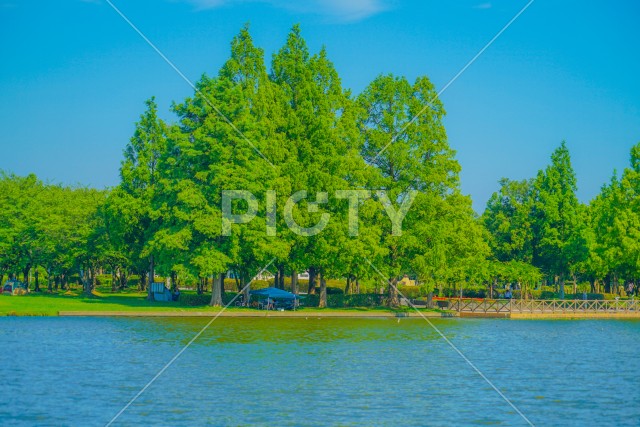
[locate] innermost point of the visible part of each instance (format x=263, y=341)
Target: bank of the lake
x=135, y=305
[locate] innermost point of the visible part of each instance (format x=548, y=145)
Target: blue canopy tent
x=276, y=294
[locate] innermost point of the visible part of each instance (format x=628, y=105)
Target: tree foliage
x=252, y=137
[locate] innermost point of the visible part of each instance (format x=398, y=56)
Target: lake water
x=278, y=372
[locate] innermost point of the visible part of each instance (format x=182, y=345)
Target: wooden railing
x=543, y=306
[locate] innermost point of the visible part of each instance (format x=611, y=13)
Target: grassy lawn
x=49, y=304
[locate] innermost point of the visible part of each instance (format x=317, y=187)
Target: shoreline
x=337, y=314
x=256, y=314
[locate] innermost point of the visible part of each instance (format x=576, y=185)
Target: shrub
x=193, y=299
x=411, y=292
x=340, y=300
x=134, y=281
x=548, y=295
x=356, y=300
x=103, y=279
x=540, y=294
x=590, y=296
x=468, y=293
x=310, y=301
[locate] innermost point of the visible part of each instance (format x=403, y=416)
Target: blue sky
x=74, y=75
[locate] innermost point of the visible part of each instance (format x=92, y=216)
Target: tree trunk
x=216, y=290
x=114, y=281
x=312, y=281
x=174, y=281
x=323, y=292
x=294, y=282
x=36, y=275
x=430, y=300
x=357, y=285
x=25, y=274
x=281, y=276
x=247, y=289
x=562, y=288
x=347, y=288
x=124, y=279
x=152, y=277
x=519, y=286
x=142, y=284
x=49, y=281
x=87, y=281
x=393, y=293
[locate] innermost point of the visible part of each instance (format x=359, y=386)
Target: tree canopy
x=283, y=166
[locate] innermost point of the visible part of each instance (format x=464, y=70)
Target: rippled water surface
x=277, y=372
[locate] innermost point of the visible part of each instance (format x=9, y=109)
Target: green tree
x=140, y=176
x=615, y=224
x=507, y=218
x=559, y=241
x=323, y=155
x=406, y=143
x=18, y=217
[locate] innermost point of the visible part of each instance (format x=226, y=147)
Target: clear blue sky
x=74, y=75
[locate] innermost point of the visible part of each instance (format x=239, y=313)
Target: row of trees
x=289, y=129
x=295, y=128
x=540, y=222
x=47, y=227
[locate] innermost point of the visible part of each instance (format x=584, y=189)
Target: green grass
x=49, y=304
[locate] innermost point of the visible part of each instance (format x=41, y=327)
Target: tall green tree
x=323, y=155
x=615, y=223
x=19, y=241
x=559, y=242
x=406, y=143
x=507, y=218
x=140, y=178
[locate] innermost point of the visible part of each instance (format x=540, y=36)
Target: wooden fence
x=544, y=306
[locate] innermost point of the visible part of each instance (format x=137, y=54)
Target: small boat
x=14, y=287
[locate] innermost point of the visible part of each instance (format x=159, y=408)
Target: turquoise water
x=277, y=372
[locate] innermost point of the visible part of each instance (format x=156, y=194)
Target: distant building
x=406, y=281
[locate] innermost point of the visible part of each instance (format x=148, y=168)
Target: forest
x=292, y=127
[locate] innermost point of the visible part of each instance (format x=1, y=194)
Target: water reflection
x=273, y=371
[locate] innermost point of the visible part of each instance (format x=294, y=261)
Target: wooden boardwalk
x=514, y=308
